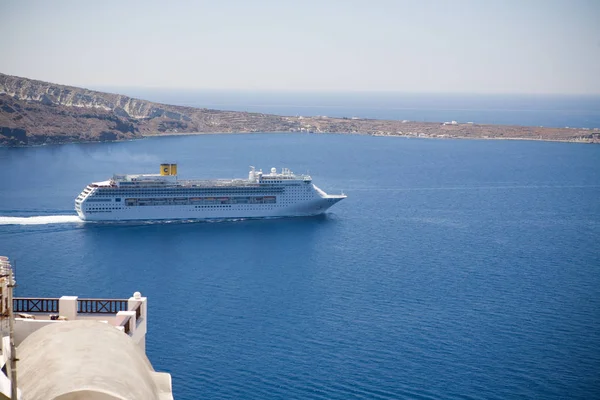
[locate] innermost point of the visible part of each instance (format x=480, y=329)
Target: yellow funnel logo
x=168, y=169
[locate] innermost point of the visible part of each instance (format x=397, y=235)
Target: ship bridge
x=285, y=176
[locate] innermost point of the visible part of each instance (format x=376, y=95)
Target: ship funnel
x=168, y=169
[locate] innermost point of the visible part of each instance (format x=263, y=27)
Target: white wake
x=40, y=220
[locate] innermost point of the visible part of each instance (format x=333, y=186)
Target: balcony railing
x=101, y=306
x=125, y=325
x=138, y=311
x=84, y=306
x=29, y=305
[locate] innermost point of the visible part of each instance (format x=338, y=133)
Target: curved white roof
x=87, y=360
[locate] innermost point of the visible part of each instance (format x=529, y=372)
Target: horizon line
x=100, y=87
x=336, y=91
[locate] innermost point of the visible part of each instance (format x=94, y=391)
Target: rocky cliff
x=34, y=112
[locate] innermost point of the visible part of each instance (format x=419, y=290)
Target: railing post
x=67, y=307
x=139, y=305
x=128, y=318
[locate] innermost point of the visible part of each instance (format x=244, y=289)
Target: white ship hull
x=183, y=212
x=153, y=197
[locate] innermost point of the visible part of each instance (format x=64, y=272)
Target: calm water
x=455, y=269
x=531, y=110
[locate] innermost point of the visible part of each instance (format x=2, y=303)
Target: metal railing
x=28, y=305
x=84, y=306
x=101, y=306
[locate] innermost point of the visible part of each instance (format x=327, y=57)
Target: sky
x=426, y=46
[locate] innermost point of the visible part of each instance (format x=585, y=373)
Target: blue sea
x=455, y=269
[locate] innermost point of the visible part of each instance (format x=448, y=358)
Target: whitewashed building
x=70, y=348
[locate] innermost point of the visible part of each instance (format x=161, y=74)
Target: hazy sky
x=478, y=46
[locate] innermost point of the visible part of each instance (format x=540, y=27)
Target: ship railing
x=207, y=184
x=216, y=183
x=186, y=183
x=287, y=177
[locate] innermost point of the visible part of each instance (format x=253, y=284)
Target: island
x=34, y=112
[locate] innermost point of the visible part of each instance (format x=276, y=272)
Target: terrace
x=128, y=315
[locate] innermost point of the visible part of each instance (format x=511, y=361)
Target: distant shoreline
x=175, y=134
x=166, y=134
x=37, y=113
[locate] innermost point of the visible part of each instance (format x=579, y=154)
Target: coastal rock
x=33, y=112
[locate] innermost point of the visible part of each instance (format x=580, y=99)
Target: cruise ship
x=165, y=197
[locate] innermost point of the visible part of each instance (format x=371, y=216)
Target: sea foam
x=40, y=220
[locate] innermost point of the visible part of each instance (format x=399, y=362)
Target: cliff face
x=68, y=96
x=35, y=112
